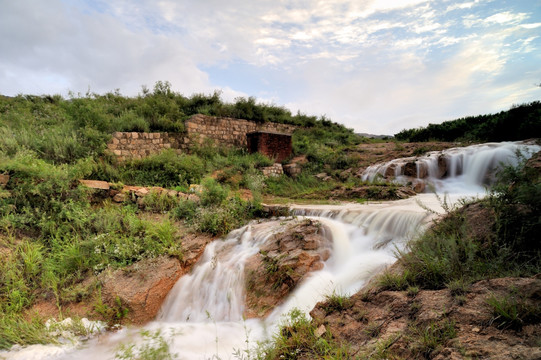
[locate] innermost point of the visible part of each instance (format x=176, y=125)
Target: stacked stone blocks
x=222, y=131
x=133, y=145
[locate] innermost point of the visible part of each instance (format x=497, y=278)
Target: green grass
x=512, y=312
x=298, y=338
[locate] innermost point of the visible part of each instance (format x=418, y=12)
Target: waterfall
x=464, y=170
x=202, y=315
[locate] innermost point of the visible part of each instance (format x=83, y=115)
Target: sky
x=376, y=66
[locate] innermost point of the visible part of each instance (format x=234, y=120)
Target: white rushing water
x=202, y=316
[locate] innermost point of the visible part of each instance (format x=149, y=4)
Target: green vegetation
x=519, y=123
x=513, y=312
x=55, y=233
x=298, y=339
x=154, y=347
x=449, y=256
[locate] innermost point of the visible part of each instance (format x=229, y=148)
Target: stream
x=201, y=317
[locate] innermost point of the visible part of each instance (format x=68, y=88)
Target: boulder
x=283, y=261
x=390, y=171
x=410, y=169
x=419, y=186
x=442, y=167
x=141, y=287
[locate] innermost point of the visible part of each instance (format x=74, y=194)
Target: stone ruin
x=199, y=128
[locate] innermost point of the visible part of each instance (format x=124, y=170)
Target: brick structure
x=275, y=145
x=229, y=131
x=222, y=131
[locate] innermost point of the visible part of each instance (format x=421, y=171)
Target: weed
x=297, y=338
x=412, y=291
x=154, y=347
x=337, y=302
x=373, y=328
x=513, y=312
x=426, y=339
x=394, y=280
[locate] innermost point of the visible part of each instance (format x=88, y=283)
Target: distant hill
x=518, y=123
x=372, y=136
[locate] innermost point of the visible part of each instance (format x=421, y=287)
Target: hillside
x=86, y=234
x=518, y=123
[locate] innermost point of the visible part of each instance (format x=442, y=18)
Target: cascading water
x=464, y=170
x=202, y=315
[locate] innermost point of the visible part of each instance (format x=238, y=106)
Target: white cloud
x=371, y=64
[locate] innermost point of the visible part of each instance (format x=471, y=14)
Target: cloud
x=376, y=65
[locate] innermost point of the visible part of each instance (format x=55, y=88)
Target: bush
x=167, y=169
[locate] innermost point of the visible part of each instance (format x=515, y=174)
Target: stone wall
x=134, y=145
x=223, y=131
x=229, y=131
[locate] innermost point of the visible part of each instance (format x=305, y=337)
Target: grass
x=512, y=312
x=298, y=338
x=431, y=337
x=337, y=302
x=153, y=347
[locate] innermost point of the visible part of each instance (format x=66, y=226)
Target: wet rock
x=422, y=170
x=283, y=262
x=442, y=167
x=141, y=288
x=419, y=186
x=410, y=169
x=390, y=171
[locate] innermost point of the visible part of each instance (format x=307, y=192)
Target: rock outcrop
x=283, y=261
x=402, y=325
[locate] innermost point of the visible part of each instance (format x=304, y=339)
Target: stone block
x=119, y=198
x=95, y=184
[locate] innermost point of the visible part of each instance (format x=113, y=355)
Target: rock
x=442, y=166
x=95, y=184
x=419, y=186
x=410, y=169
x=404, y=318
x=119, y=198
x=292, y=170
x=321, y=176
x=320, y=331
x=283, y=262
x=141, y=287
x=390, y=171
x=4, y=179
x=142, y=192
x=196, y=189
x=274, y=170
x=276, y=210
x=422, y=170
